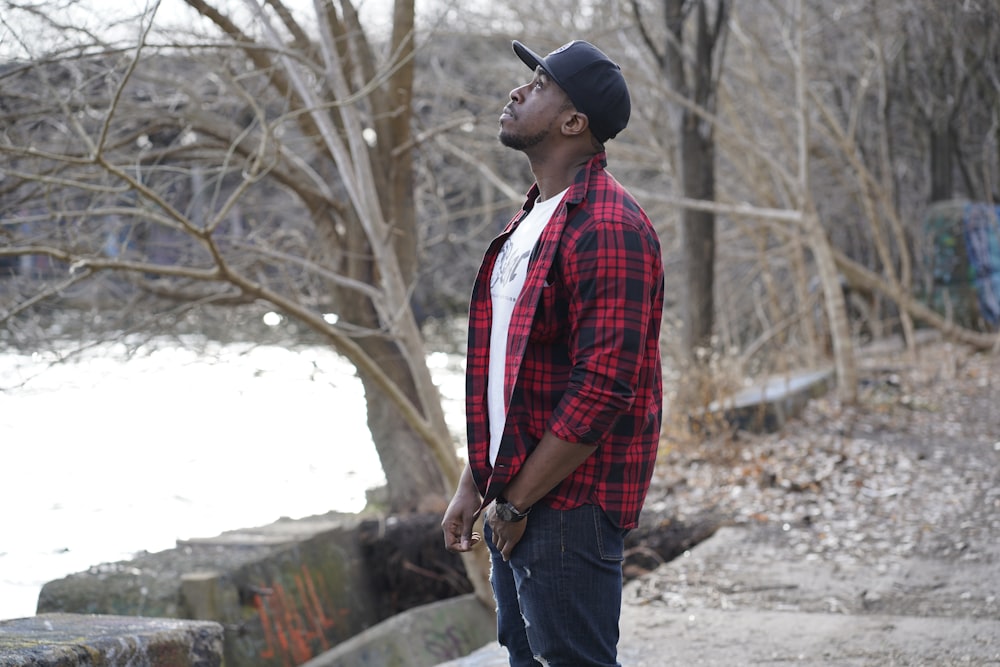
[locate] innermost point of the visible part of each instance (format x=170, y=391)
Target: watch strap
x=513, y=512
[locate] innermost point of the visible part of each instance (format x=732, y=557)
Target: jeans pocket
x=610, y=538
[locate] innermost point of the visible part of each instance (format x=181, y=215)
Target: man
x=564, y=397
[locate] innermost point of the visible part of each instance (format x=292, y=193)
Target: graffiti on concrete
x=294, y=624
x=299, y=621
x=447, y=643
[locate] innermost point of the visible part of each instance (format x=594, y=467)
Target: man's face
x=533, y=113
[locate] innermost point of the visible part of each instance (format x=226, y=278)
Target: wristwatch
x=507, y=512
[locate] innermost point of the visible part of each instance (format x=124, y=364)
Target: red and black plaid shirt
x=583, y=357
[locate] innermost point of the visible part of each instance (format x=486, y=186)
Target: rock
x=71, y=640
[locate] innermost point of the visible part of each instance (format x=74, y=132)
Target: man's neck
x=552, y=177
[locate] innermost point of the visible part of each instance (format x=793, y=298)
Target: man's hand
x=461, y=515
x=506, y=534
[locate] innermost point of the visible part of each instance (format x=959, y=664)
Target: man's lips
x=506, y=113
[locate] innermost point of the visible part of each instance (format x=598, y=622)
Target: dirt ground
x=858, y=535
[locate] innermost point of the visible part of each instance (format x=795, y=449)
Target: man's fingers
x=455, y=540
x=453, y=537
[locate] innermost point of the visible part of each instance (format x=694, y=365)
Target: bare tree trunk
x=836, y=310
x=413, y=481
x=693, y=79
x=697, y=163
x=941, y=164
x=697, y=236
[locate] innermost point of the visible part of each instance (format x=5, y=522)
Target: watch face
x=503, y=511
x=508, y=512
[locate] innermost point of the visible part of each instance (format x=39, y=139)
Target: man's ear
x=576, y=123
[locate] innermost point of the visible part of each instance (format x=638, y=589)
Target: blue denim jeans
x=559, y=596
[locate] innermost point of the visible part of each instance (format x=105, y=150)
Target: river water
x=110, y=453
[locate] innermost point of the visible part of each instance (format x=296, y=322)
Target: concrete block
x=421, y=637
x=283, y=592
x=286, y=592
x=72, y=640
x=766, y=406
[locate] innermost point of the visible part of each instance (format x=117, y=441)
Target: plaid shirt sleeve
x=611, y=275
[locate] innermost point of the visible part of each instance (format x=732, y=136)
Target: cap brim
x=527, y=56
x=534, y=61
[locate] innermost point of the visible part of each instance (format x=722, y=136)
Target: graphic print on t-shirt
x=510, y=267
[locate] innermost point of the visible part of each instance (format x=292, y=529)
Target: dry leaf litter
x=907, y=478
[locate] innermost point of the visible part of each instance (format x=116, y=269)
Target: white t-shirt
x=505, y=287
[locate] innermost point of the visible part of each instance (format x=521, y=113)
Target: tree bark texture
x=698, y=237
x=941, y=162
x=692, y=77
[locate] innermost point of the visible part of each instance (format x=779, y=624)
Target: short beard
x=519, y=143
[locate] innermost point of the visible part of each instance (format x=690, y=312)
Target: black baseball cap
x=593, y=82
